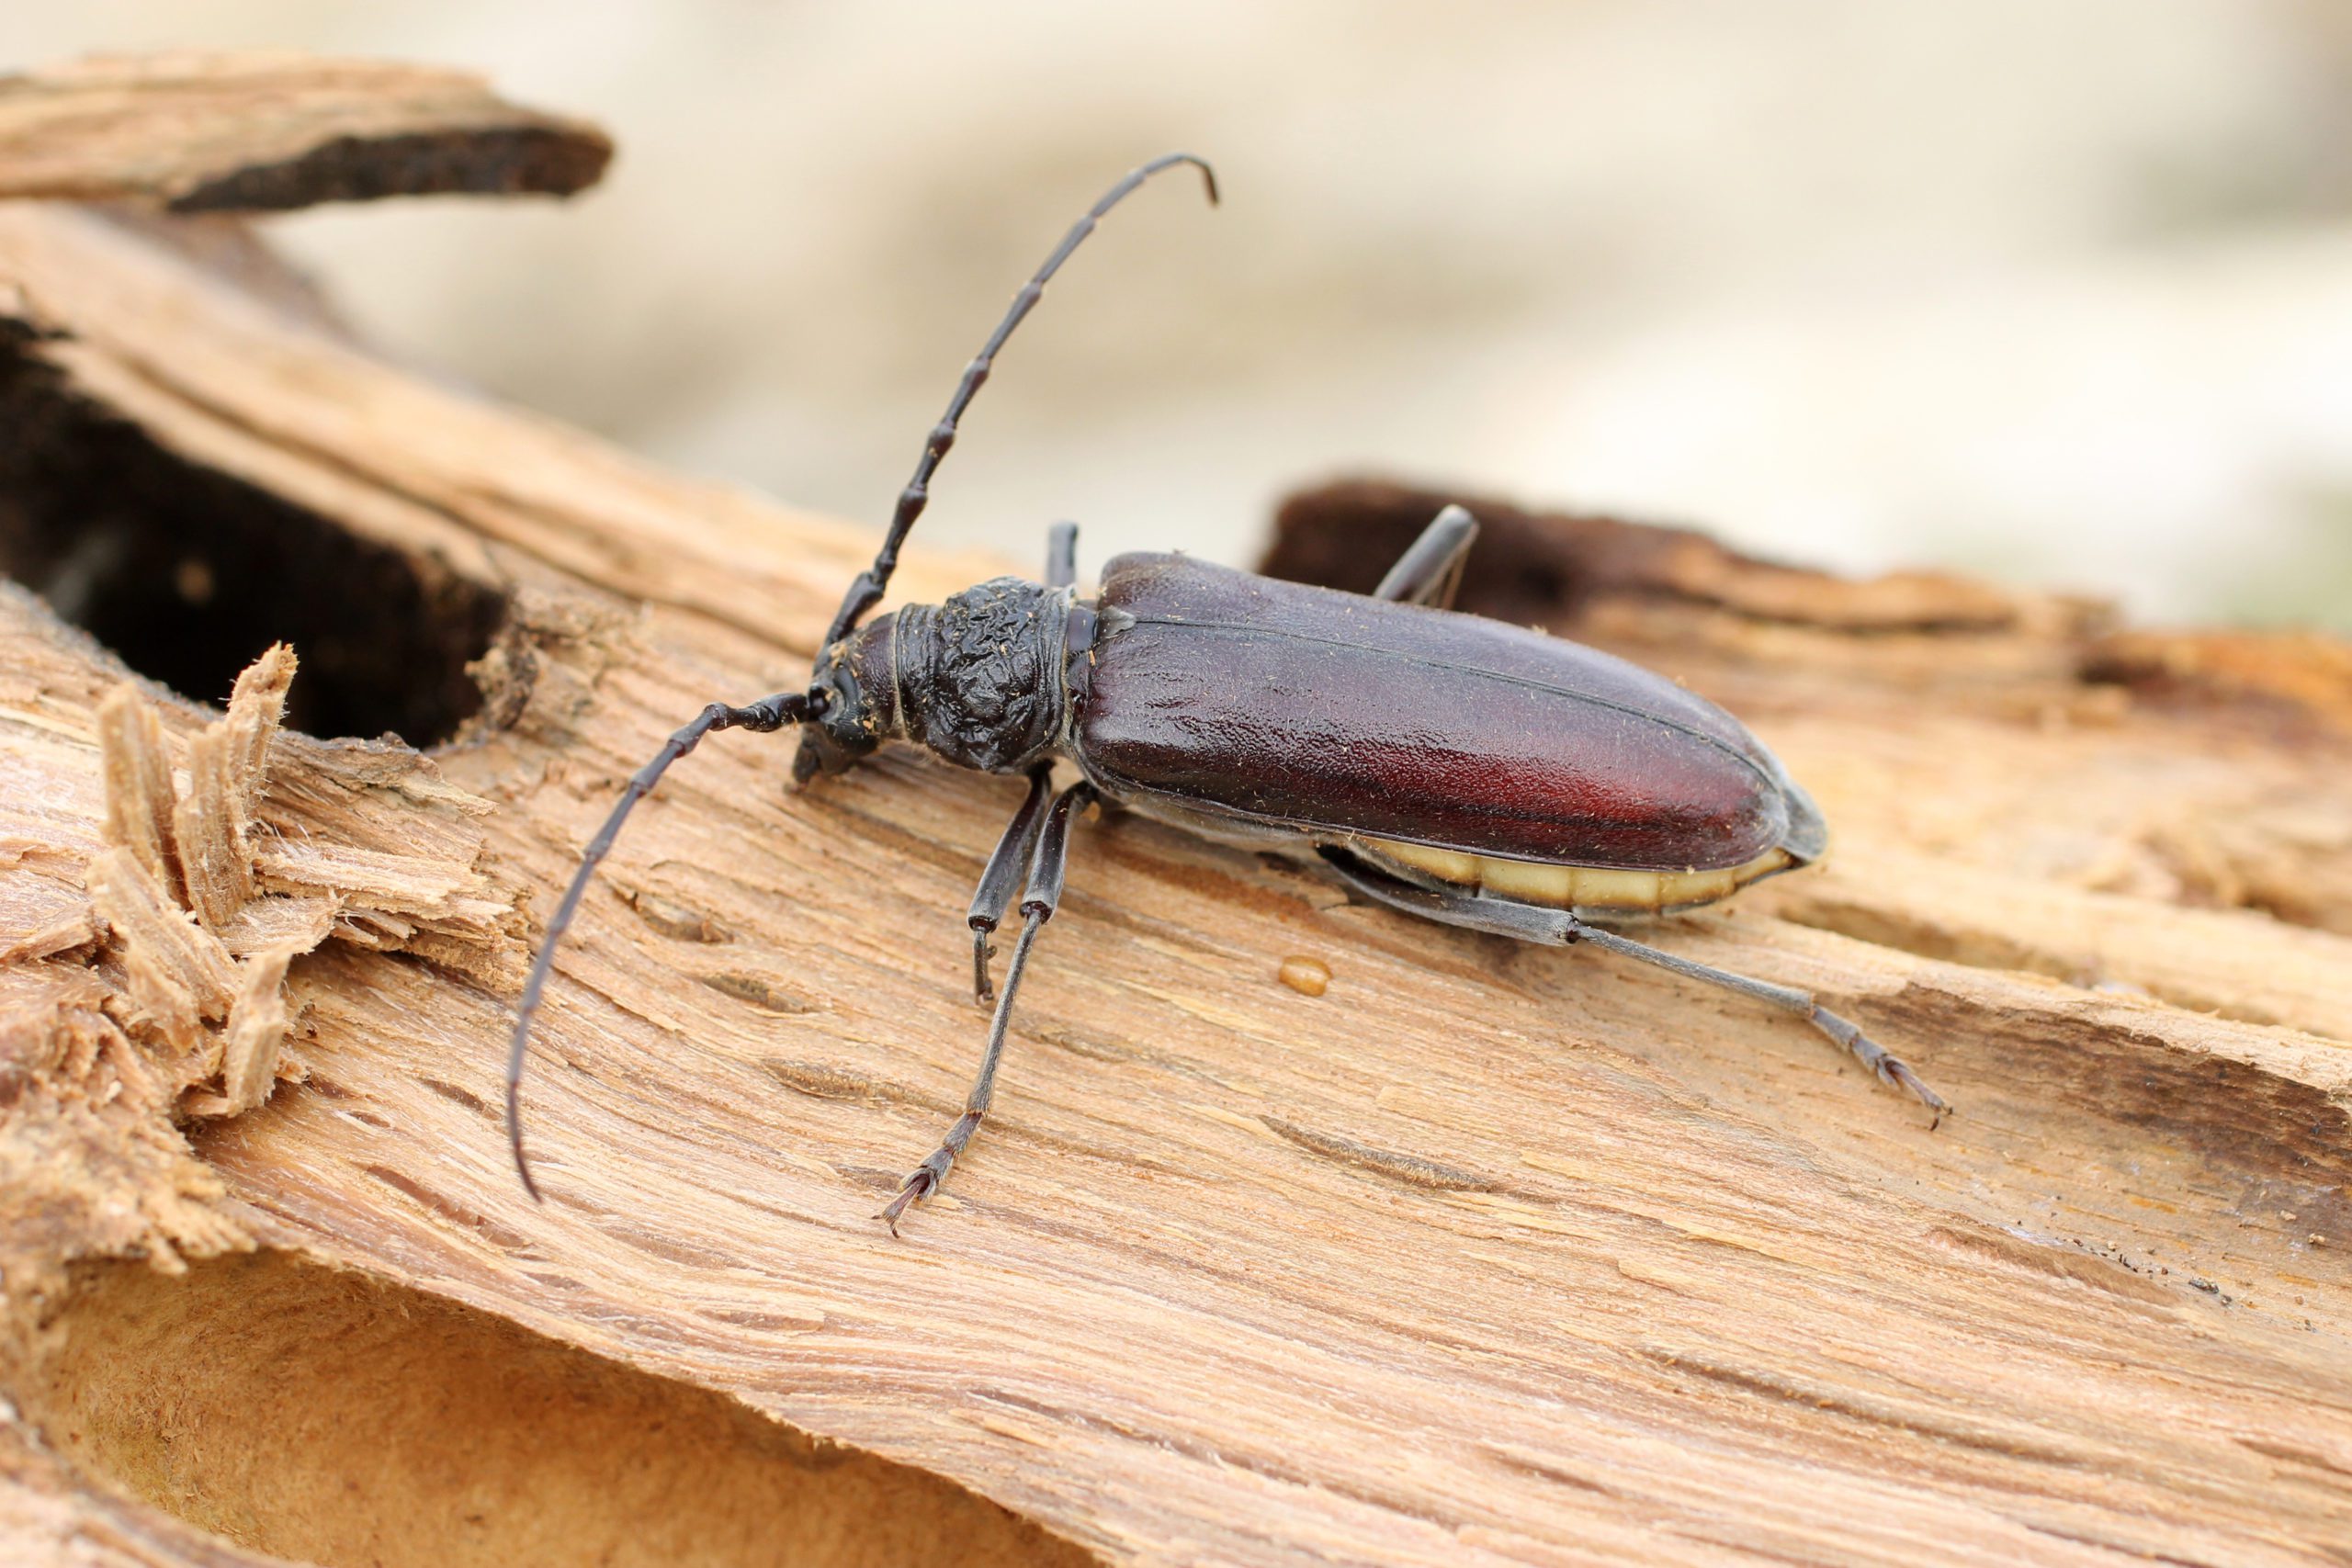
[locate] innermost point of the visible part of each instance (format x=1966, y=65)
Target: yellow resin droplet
x=1307, y=976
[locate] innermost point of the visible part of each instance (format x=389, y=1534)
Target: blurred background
x=2057, y=291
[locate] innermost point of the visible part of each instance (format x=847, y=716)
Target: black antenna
x=867, y=592
x=768, y=714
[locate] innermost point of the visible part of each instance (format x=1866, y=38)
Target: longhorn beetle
x=1441, y=763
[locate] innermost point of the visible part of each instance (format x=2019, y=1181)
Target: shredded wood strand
x=256, y=1029
x=139, y=783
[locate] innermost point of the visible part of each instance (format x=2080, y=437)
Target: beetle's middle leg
x=1431, y=569
x=1038, y=903
x=1534, y=922
x=1061, y=555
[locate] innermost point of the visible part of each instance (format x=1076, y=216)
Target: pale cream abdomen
x=1578, y=886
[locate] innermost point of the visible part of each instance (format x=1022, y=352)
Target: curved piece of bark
x=1487, y=1254
x=265, y=132
x=1552, y=563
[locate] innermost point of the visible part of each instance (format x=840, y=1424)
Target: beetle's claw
x=1887, y=1067
x=1896, y=1073
x=918, y=1187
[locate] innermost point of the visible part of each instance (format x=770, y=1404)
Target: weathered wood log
x=1487, y=1253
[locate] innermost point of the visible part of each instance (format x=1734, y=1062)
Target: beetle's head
x=859, y=706
x=976, y=681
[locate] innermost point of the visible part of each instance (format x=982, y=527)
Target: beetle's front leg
x=1533, y=922
x=1037, y=904
x=1003, y=873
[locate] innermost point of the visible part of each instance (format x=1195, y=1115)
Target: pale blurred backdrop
x=2055, y=290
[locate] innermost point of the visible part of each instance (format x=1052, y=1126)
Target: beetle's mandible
x=1441, y=763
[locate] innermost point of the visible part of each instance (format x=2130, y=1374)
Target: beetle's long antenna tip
x=514, y=1142
x=1208, y=178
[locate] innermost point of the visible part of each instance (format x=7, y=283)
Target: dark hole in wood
x=188, y=573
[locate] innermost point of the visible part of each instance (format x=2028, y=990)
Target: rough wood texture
x=1487, y=1253
x=258, y=132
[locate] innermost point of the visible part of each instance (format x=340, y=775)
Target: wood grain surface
x=1487, y=1253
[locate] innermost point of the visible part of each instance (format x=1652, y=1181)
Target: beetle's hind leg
x=1037, y=904
x=1431, y=569
x=1534, y=922
x=1888, y=1068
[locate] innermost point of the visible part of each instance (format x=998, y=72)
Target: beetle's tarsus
x=1900, y=1076
x=1888, y=1068
x=918, y=1187
x=925, y=1179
